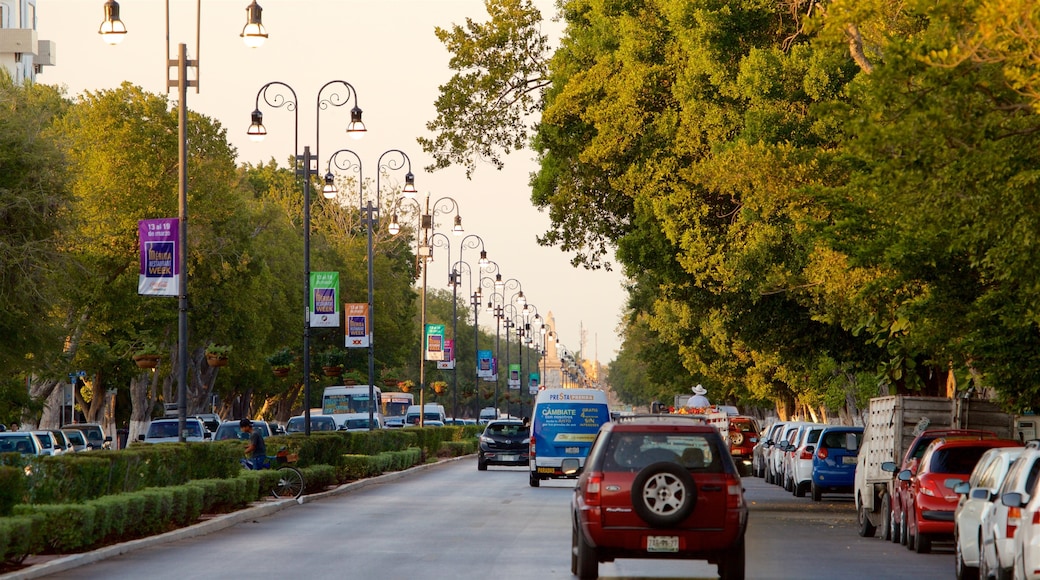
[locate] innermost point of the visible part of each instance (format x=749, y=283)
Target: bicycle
x=290, y=479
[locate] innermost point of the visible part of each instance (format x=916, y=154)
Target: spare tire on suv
x=663, y=494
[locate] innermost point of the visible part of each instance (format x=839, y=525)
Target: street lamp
x=112, y=31
x=303, y=168
x=424, y=254
x=397, y=160
x=472, y=241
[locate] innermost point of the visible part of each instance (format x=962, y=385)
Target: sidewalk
x=53, y=565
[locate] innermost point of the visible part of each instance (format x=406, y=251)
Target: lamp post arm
x=334, y=99
x=277, y=100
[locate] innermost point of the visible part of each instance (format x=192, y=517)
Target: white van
x=432, y=412
x=563, y=427
x=488, y=414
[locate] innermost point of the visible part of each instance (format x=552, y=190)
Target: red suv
x=660, y=486
x=743, y=436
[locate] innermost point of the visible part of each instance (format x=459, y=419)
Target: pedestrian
x=256, y=449
x=699, y=400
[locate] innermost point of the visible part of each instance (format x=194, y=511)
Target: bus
x=340, y=401
x=394, y=405
x=564, y=425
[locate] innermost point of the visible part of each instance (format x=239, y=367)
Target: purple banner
x=158, y=245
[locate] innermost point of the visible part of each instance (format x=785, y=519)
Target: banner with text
x=434, y=342
x=514, y=377
x=358, y=333
x=484, y=369
x=324, y=302
x=449, y=356
x=532, y=383
x=158, y=242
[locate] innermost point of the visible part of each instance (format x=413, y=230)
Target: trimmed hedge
x=12, y=489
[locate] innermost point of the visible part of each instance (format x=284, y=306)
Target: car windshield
x=75, y=437
x=742, y=426
x=956, y=459
x=839, y=439
x=16, y=443
x=159, y=430
x=356, y=424
x=634, y=451
x=508, y=430
x=45, y=440
x=295, y=424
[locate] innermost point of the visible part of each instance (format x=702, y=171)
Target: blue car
x=834, y=461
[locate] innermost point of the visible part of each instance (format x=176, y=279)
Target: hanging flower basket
x=439, y=387
x=147, y=361
x=215, y=360
x=280, y=371
x=405, y=386
x=332, y=371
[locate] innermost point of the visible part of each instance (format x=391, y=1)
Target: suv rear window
x=634, y=451
x=956, y=459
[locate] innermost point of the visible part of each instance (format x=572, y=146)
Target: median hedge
x=76, y=502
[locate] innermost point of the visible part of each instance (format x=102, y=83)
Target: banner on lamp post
x=358, y=333
x=434, y=342
x=514, y=377
x=324, y=299
x=484, y=369
x=532, y=383
x=449, y=356
x=159, y=242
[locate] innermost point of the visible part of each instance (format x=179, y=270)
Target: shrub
x=66, y=527
x=20, y=537
x=12, y=488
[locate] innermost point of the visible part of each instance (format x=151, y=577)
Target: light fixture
x=394, y=228
x=329, y=190
x=457, y=229
x=356, y=129
x=256, y=130
x=409, y=190
x=253, y=33
x=499, y=284
x=483, y=261
x=112, y=30
x=520, y=299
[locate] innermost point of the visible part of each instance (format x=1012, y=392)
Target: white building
x=21, y=53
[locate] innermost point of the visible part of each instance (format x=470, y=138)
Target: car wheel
x=663, y=494
x=984, y=571
x=894, y=523
x=963, y=572
x=574, y=548
x=799, y=489
x=585, y=562
x=903, y=530
x=732, y=564
x=911, y=539
x=481, y=464
x=886, y=518
x=535, y=480
x=922, y=543
x=866, y=529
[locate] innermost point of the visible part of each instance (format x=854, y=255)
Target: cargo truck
x=891, y=424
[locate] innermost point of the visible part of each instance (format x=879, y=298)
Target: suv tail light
x=734, y=492
x=1013, y=517
x=822, y=453
x=592, y=488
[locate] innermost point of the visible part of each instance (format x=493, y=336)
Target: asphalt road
x=451, y=521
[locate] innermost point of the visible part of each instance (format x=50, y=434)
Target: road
x=455, y=522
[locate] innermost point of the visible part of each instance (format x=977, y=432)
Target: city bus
x=340, y=401
x=394, y=405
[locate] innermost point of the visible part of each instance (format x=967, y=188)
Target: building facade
x=22, y=54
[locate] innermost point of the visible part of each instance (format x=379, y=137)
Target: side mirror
x=888, y=466
x=952, y=482
x=570, y=466
x=1014, y=499
x=983, y=494
x=905, y=475
x=140, y=436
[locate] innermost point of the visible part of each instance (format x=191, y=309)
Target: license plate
x=849, y=459
x=546, y=470
x=571, y=450
x=662, y=543
x=734, y=451
x=507, y=457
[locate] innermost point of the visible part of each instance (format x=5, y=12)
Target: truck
x=892, y=423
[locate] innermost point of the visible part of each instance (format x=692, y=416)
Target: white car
x=19, y=442
x=1000, y=522
x=800, y=470
x=774, y=460
x=976, y=495
x=48, y=443
x=760, y=456
x=1026, y=543
x=168, y=431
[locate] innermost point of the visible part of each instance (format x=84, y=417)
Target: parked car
x=1025, y=544
x=834, y=461
x=743, y=436
x=999, y=522
x=976, y=495
x=799, y=470
x=900, y=491
x=788, y=448
x=96, y=438
x=63, y=441
x=504, y=442
x=168, y=431
x=658, y=487
x=48, y=443
x=232, y=430
x=76, y=438
x=776, y=452
x=318, y=423
x=760, y=456
x=210, y=420
x=932, y=501
x=19, y=442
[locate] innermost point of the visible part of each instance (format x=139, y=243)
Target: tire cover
x=663, y=494
x=736, y=437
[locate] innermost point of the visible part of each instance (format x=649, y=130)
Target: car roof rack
x=661, y=417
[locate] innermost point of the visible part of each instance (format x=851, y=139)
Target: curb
x=210, y=526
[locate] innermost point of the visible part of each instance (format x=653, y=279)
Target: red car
x=932, y=503
x=660, y=486
x=896, y=530
x=743, y=436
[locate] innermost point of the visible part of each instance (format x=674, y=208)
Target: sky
x=387, y=50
